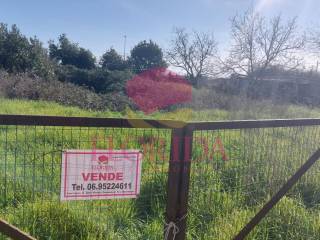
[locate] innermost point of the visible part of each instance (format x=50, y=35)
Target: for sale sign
x=100, y=174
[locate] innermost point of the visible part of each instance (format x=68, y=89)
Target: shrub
x=100, y=80
x=28, y=86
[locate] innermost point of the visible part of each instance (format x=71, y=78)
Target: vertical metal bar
x=6, y=168
x=43, y=153
x=178, y=183
x=34, y=163
x=53, y=152
x=184, y=184
x=277, y=197
x=15, y=167
x=25, y=182
x=175, y=167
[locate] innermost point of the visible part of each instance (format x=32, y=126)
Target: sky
x=101, y=24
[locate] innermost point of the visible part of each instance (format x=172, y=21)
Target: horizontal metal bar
x=33, y=120
x=243, y=124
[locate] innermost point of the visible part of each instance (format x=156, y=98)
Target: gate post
x=178, y=184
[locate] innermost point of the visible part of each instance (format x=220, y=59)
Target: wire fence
x=31, y=172
x=237, y=170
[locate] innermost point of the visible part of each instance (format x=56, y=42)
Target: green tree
x=20, y=54
x=85, y=59
x=146, y=55
x=41, y=64
x=111, y=60
x=15, y=50
x=69, y=53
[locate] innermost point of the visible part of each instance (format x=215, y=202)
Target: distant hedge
x=30, y=86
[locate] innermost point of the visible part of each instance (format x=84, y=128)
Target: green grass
x=223, y=194
x=254, y=111
x=8, y=106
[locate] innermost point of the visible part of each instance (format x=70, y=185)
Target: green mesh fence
x=30, y=164
x=235, y=171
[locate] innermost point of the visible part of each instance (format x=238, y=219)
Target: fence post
x=178, y=184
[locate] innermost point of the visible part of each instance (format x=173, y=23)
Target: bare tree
x=314, y=46
x=314, y=40
x=259, y=44
x=193, y=53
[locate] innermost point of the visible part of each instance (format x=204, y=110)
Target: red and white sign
x=100, y=174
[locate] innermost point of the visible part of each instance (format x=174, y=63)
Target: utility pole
x=124, y=47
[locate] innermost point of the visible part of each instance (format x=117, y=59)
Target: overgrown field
x=226, y=189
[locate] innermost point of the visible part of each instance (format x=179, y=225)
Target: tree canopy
x=69, y=53
x=146, y=55
x=111, y=60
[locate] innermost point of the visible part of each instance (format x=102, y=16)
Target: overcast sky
x=100, y=24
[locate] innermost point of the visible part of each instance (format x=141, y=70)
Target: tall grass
x=224, y=194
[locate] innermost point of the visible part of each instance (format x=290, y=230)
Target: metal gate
x=202, y=180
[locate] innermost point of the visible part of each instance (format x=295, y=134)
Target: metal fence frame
x=180, y=158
